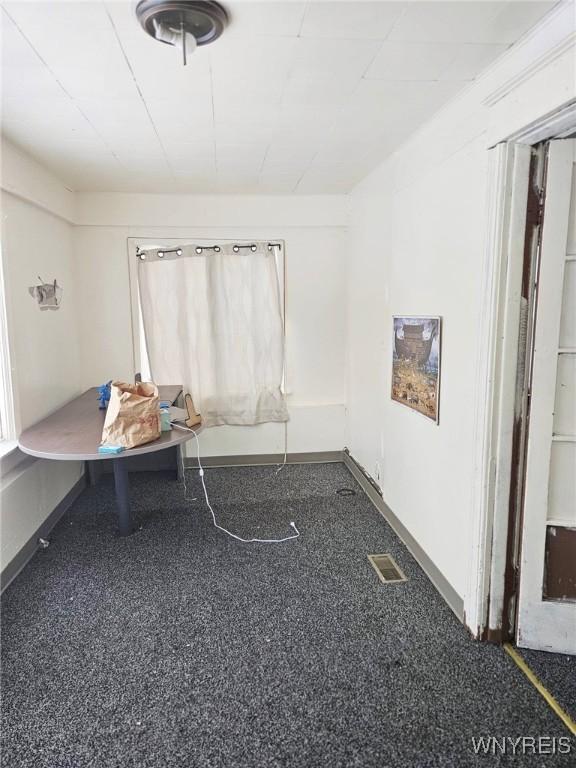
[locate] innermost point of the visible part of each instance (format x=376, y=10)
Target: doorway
x=542, y=544
x=525, y=491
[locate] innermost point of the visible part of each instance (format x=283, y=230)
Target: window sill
x=11, y=457
x=7, y=446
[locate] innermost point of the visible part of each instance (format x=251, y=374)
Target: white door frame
x=495, y=381
x=545, y=624
x=509, y=170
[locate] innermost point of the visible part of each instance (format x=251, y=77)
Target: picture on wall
x=416, y=364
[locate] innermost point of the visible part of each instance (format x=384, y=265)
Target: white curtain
x=213, y=323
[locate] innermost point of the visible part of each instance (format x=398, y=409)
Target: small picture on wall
x=416, y=364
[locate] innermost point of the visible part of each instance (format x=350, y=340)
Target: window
x=214, y=322
x=7, y=428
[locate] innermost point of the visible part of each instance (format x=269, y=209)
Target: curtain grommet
x=179, y=252
x=198, y=249
x=160, y=254
x=235, y=248
x=217, y=249
x=253, y=248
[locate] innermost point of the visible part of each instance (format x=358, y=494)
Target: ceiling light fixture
x=182, y=23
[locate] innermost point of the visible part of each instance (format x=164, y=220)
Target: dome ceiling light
x=182, y=23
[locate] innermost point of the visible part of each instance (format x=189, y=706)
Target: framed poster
x=416, y=363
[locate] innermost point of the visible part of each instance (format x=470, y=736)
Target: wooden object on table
x=193, y=418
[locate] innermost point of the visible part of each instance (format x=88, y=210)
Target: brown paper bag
x=133, y=415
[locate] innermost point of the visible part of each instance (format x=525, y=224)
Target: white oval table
x=74, y=432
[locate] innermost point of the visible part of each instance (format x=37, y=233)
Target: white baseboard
x=262, y=459
x=370, y=488
x=27, y=552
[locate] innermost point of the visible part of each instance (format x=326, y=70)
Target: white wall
x=44, y=345
x=416, y=243
x=313, y=230
x=82, y=241
x=26, y=179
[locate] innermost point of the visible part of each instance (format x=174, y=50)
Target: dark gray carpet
x=180, y=647
x=558, y=673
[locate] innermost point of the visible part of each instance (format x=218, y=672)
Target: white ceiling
x=301, y=97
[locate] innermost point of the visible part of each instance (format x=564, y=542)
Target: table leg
x=92, y=472
x=122, y=485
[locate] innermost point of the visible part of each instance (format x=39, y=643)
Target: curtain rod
x=199, y=248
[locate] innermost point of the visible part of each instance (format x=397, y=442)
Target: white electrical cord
x=220, y=528
x=283, y=464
